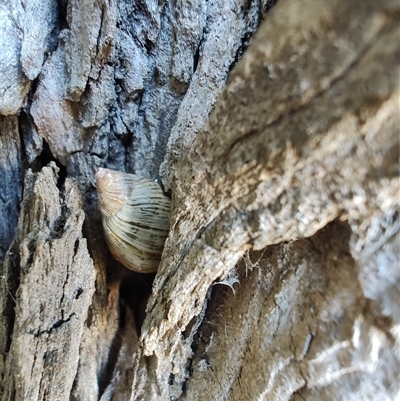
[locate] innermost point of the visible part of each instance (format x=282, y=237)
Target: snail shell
x=135, y=214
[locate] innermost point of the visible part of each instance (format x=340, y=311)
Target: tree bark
x=280, y=277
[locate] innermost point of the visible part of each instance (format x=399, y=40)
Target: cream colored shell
x=135, y=215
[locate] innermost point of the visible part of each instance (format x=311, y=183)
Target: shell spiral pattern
x=135, y=215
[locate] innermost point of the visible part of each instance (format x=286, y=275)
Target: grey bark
x=50, y=264
x=280, y=278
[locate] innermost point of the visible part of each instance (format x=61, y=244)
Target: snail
x=135, y=215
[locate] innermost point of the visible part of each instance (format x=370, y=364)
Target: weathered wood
x=114, y=86
x=260, y=341
x=113, y=77
x=280, y=276
x=55, y=288
x=28, y=33
x=292, y=144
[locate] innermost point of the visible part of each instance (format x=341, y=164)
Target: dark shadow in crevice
x=107, y=374
x=62, y=14
x=44, y=159
x=10, y=275
x=135, y=291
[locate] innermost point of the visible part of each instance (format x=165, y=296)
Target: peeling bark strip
x=56, y=285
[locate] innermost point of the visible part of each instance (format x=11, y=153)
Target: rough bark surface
x=50, y=264
x=11, y=173
x=290, y=146
x=280, y=278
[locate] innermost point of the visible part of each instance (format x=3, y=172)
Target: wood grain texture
x=280, y=278
x=290, y=146
x=28, y=33
x=55, y=288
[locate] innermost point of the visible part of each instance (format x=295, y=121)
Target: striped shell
x=135, y=214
